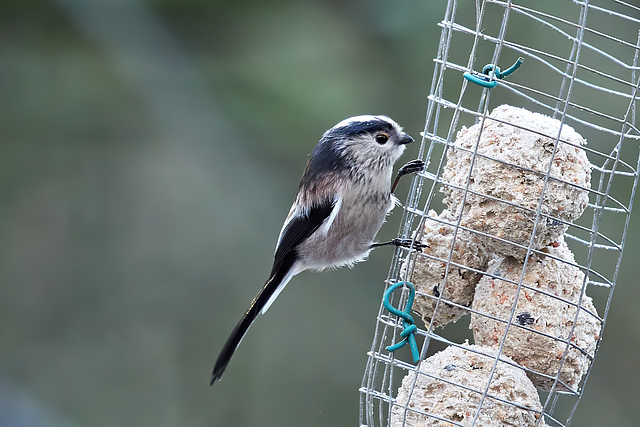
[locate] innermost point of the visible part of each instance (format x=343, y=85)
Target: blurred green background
x=149, y=153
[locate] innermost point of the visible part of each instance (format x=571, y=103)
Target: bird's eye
x=382, y=138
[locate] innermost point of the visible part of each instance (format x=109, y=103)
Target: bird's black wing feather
x=300, y=228
x=297, y=231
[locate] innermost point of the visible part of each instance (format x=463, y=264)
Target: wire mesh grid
x=524, y=241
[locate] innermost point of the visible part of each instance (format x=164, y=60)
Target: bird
x=343, y=198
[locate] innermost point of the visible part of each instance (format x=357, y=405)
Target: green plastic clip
x=490, y=73
x=408, y=333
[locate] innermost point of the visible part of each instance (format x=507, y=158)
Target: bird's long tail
x=280, y=276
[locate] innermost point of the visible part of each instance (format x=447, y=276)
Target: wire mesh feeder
x=525, y=221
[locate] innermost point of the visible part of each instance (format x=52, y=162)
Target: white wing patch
x=337, y=203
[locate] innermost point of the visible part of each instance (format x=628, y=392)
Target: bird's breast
x=348, y=239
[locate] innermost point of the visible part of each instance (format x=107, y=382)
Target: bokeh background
x=149, y=152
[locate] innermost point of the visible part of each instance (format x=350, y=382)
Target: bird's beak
x=405, y=139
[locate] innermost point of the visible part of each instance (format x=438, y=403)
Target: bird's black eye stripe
x=360, y=128
x=381, y=138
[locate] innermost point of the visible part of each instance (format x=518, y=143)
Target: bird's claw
x=409, y=244
x=416, y=165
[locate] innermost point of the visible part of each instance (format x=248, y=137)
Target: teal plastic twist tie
x=408, y=333
x=492, y=72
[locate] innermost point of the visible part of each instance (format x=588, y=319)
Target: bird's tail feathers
x=280, y=276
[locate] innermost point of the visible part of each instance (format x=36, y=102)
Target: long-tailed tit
x=343, y=198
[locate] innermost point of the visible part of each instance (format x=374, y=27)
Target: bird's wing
x=302, y=224
x=297, y=228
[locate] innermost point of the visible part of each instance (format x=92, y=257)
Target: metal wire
x=582, y=69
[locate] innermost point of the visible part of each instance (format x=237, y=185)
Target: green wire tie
x=492, y=73
x=408, y=333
